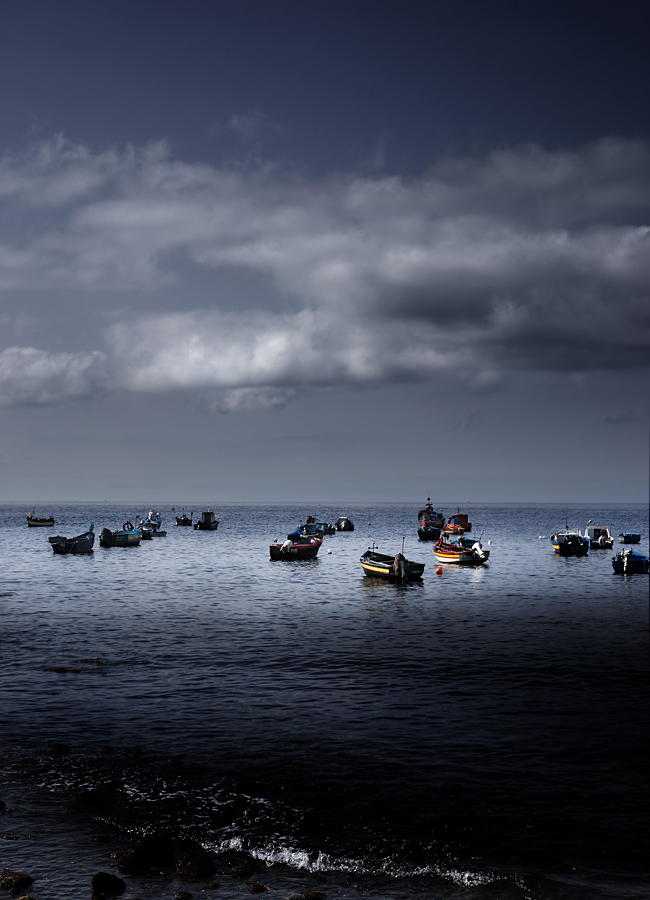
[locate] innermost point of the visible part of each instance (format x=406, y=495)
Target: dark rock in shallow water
x=154, y=852
x=14, y=882
x=133, y=752
x=257, y=888
x=104, y=884
x=56, y=748
x=198, y=865
x=2, y=804
x=93, y=798
x=313, y=895
x=213, y=885
x=183, y=895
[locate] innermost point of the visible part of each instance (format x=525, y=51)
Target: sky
x=324, y=251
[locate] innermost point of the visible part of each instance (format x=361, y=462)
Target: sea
x=481, y=733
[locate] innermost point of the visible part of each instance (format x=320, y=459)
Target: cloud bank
x=523, y=260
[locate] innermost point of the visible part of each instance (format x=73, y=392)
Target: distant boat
x=35, y=522
x=344, y=524
x=598, y=536
x=83, y=543
x=207, y=522
x=183, y=519
x=458, y=523
x=296, y=547
x=430, y=523
x=462, y=551
x=627, y=562
x=570, y=543
x=315, y=526
x=127, y=536
x=392, y=568
x=152, y=525
x=629, y=537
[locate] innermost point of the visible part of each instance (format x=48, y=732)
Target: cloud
x=624, y=418
x=30, y=377
x=523, y=260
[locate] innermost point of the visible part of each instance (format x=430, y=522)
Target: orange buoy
x=439, y=570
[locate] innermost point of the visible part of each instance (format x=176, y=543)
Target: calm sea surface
x=480, y=734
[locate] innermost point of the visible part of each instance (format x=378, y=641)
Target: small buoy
x=489, y=542
x=439, y=570
x=368, y=523
x=329, y=551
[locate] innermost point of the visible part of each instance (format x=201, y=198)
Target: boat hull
x=379, y=565
x=184, y=520
x=468, y=554
x=33, y=522
x=292, y=550
x=629, y=537
x=83, y=543
x=118, y=538
x=630, y=563
x=429, y=534
x=570, y=545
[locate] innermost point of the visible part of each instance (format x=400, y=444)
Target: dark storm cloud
x=523, y=260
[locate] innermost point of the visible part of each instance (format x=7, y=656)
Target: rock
x=183, y=895
x=134, y=752
x=94, y=797
x=313, y=895
x=2, y=804
x=154, y=852
x=257, y=888
x=14, y=882
x=56, y=748
x=198, y=865
x=213, y=885
x=252, y=867
x=104, y=884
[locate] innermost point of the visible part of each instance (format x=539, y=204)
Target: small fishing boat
x=296, y=547
x=430, y=523
x=463, y=552
x=344, y=524
x=570, y=543
x=183, y=519
x=35, y=522
x=392, y=568
x=127, y=536
x=627, y=562
x=151, y=525
x=315, y=526
x=207, y=522
x=83, y=543
x=629, y=537
x=598, y=536
x=458, y=523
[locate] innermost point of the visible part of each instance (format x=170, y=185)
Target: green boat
x=127, y=536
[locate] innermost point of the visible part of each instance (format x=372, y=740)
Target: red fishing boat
x=296, y=548
x=458, y=523
x=430, y=523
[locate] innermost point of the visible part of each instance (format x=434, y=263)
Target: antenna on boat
x=402, y=545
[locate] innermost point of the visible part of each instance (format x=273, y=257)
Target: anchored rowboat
x=393, y=568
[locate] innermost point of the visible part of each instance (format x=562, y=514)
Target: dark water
x=481, y=734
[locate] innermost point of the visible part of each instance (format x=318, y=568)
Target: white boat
x=598, y=536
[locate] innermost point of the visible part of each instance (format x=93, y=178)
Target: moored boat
x=150, y=527
x=598, y=536
x=35, y=521
x=316, y=526
x=627, y=562
x=430, y=523
x=127, y=536
x=462, y=551
x=83, y=543
x=458, y=523
x=629, y=537
x=296, y=547
x=184, y=519
x=392, y=568
x=207, y=522
x=343, y=523
x=570, y=543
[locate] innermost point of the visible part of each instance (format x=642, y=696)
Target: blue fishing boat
x=629, y=537
x=627, y=562
x=127, y=536
x=83, y=543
